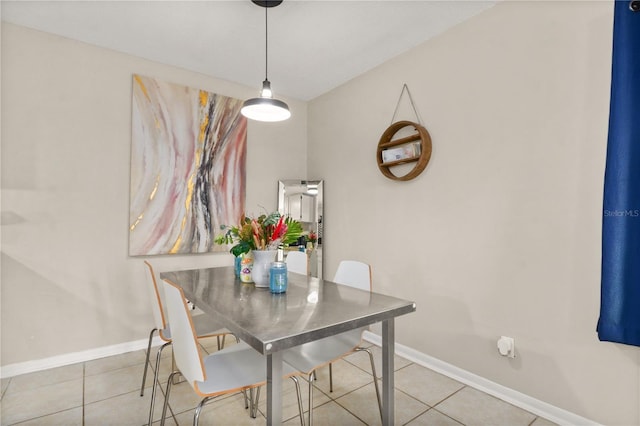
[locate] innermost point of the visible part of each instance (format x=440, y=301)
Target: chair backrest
x=183, y=336
x=297, y=262
x=156, y=301
x=354, y=274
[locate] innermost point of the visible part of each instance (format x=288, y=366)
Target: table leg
x=388, y=349
x=274, y=389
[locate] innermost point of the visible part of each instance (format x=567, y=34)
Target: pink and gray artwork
x=188, y=154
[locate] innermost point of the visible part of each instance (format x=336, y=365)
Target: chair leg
x=254, y=402
x=330, y=377
x=156, y=382
x=299, y=395
x=311, y=377
x=251, y=402
x=196, y=415
x=246, y=399
x=146, y=364
x=375, y=377
x=166, y=397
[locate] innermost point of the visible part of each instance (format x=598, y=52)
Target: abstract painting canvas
x=188, y=154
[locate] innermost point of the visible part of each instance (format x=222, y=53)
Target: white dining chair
x=230, y=370
x=298, y=262
x=204, y=328
x=310, y=356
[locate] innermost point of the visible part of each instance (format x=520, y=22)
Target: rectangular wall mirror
x=302, y=200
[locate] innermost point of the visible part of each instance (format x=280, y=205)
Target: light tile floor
x=107, y=392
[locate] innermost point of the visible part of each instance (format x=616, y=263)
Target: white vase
x=261, y=263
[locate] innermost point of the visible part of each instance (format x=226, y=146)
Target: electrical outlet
x=507, y=346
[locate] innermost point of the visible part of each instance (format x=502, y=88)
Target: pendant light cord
x=266, y=44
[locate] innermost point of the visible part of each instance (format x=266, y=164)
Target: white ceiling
x=314, y=46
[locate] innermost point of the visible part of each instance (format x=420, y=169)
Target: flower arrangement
x=266, y=232
x=313, y=237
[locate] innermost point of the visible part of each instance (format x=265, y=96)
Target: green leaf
x=240, y=248
x=294, y=230
x=272, y=219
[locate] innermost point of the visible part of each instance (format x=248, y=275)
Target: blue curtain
x=620, y=294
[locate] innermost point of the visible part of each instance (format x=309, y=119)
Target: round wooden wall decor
x=415, y=148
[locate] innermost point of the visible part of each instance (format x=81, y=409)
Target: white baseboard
x=535, y=406
x=75, y=357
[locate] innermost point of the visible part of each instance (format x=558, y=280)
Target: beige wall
x=500, y=235
x=68, y=284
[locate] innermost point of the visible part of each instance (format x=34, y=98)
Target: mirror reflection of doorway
x=303, y=201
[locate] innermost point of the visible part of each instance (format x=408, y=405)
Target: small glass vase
x=237, y=265
x=261, y=263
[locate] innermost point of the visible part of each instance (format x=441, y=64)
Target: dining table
x=309, y=310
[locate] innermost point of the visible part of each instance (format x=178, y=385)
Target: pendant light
x=266, y=108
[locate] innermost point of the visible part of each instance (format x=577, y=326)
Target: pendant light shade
x=266, y=108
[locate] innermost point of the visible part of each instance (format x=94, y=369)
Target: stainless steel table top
x=310, y=309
